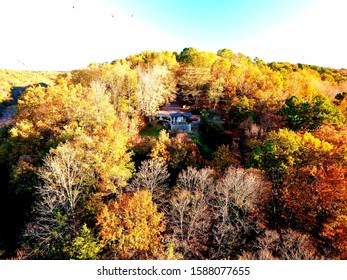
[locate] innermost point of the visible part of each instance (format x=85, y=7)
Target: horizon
x=72, y=34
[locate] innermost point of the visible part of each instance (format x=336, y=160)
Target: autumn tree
x=286, y=245
x=152, y=176
x=337, y=136
x=131, y=228
x=65, y=181
x=47, y=116
x=315, y=201
x=225, y=53
x=216, y=91
x=64, y=177
x=116, y=80
x=194, y=74
x=178, y=151
x=183, y=153
x=156, y=87
x=147, y=59
x=241, y=110
x=237, y=195
x=190, y=218
x=286, y=148
x=211, y=130
x=223, y=158
x=160, y=148
x=282, y=153
x=121, y=83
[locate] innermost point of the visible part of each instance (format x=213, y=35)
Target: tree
x=223, y=158
x=183, y=153
x=65, y=180
x=131, y=228
x=324, y=111
x=193, y=180
x=216, y=91
x=287, y=245
x=286, y=148
x=211, y=132
x=179, y=151
x=85, y=117
x=187, y=55
x=152, y=176
x=226, y=53
x=334, y=230
x=121, y=83
x=193, y=83
x=315, y=201
x=285, y=153
x=107, y=156
x=336, y=136
x=84, y=246
x=160, y=148
x=151, y=58
x=242, y=110
x=194, y=74
x=189, y=213
x=299, y=113
x=237, y=196
x=221, y=68
x=64, y=177
x=156, y=87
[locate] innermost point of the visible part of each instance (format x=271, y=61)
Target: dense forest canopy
x=89, y=171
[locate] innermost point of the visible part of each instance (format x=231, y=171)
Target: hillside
x=90, y=171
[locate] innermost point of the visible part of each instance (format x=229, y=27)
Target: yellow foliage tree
x=160, y=149
x=85, y=117
x=131, y=226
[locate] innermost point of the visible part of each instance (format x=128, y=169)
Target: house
x=178, y=121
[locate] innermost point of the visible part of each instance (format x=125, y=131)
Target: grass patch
x=151, y=130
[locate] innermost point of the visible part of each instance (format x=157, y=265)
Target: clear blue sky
x=218, y=20
x=67, y=34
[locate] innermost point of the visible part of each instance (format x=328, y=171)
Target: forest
x=89, y=171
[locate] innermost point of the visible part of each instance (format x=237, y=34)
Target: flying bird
x=21, y=62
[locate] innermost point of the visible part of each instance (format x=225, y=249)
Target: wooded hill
x=88, y=172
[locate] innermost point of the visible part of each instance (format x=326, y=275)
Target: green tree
x=211, y=132
x=296, y=111
x=226, y=53
x=187, y=55
x=84, y=246
x=301, y=114
x=324, y=111
x=286, y=148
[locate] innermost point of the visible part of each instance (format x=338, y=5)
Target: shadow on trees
x=16, y=92
x=15, y=204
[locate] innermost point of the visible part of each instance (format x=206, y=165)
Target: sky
x=71, y=34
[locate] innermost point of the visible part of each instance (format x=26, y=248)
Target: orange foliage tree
x=131, y=227
x=315, y=200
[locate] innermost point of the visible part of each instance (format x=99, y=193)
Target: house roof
x=178, y=114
